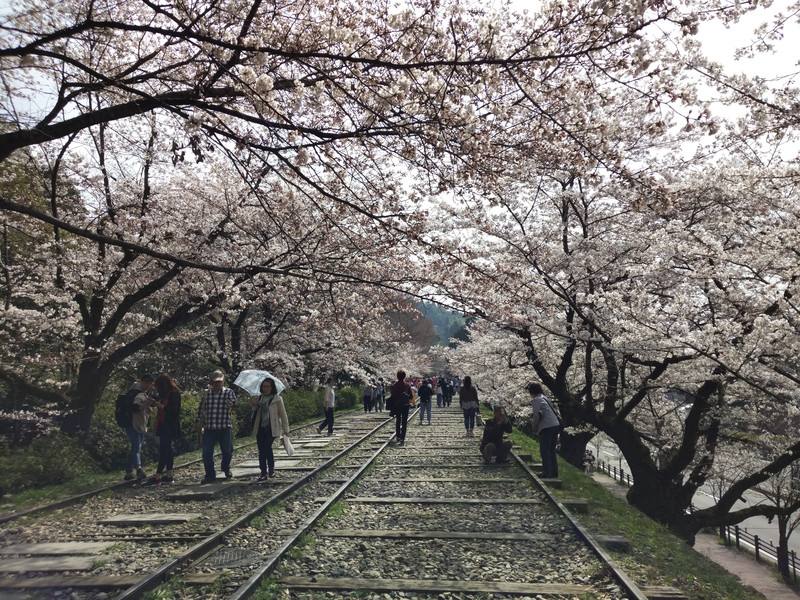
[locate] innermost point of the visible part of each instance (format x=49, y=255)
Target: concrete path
x=757, y=575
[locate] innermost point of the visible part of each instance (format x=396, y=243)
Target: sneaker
x=207, y=479
x=402, y=443
x=228, y=474
x=262, y=477
x=167, y=478
x=272, y=474
x=129, y=476
x=140, y=474
x=155, y=479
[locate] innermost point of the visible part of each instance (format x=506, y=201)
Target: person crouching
x=492, y=444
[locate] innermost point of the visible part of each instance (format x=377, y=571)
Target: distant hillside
x=446, y=323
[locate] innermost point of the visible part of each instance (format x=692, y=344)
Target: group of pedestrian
x=270, y=421
x=374, y=395
x=133, y=411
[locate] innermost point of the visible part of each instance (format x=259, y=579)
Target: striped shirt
x=215, y=409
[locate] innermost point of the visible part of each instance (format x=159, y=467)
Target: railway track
x=122, y=540
x=376, y=520
x=427, y=520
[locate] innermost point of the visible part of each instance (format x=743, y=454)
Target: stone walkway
x=757, y=575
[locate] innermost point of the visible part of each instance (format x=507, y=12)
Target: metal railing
x=730, y=534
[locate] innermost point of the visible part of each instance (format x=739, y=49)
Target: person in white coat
x=270, y=423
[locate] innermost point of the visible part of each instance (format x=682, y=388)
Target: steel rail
x=8, y=517
x=251, y=585
x=622, y=578
x=162, y=573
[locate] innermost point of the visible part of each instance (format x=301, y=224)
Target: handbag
x=478, y=420
x=287, y=445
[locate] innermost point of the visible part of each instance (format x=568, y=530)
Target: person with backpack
x=547, y=425
x=168, y=425
x=271, y=422
x=329, y=403
x=214, y=418
x=131, y=413
x=425, y=400
x=493, y=445
x=400, y=400
x=468, y=399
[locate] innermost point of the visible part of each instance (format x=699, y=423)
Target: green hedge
x=57, y=458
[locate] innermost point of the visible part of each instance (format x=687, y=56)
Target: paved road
x=607, y=451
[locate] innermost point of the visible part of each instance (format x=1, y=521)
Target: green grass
x=658, y=557
x=91, y=480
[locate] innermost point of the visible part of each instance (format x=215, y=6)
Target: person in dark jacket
x=468, y=399
x=401, y=403
x=168, y=425
x=492, y=444
x=425, y=399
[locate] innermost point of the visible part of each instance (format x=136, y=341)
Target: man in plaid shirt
x=214, y=416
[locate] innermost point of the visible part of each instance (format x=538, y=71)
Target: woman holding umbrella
x=270, y=422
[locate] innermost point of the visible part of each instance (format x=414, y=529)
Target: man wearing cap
x=214, y=416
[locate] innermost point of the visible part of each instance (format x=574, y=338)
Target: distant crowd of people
x=269, y=419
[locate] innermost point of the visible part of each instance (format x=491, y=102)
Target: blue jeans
x=423, y=407
x=469, y=418
x=135, y=455
x=548, y=438
x=210, y=439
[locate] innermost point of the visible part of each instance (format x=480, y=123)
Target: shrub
x=50, y=459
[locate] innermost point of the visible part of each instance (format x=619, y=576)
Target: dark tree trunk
x=573, y=446
x=783, y=548
x=91, y=382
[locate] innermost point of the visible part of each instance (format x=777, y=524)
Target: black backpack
x=123, y=412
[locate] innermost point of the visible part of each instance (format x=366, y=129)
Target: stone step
x=433, y=535
x=57, y=548
x=206, y=491
x=149, y=519
x=46, y=563
x=616, y=543
x=100, y=582
x=433, y=586
x=420, y=500
x=578, y=505
x=664, y=593
x=552, y=482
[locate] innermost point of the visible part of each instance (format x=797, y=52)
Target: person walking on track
x=168, y=425
x=425, y=400
x=329, y=403
x=380, y=395
x=367, y=397
x=270, y=422
x=546, y=425
x=131, y=412
x=401, y=403
x=214, y=417
x=468, y=399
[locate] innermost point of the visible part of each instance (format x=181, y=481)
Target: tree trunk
x=573, y=446
x=665, y=502
x=91, y=382
x=783, y=548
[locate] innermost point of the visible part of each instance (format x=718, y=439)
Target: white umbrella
x=250, y=381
